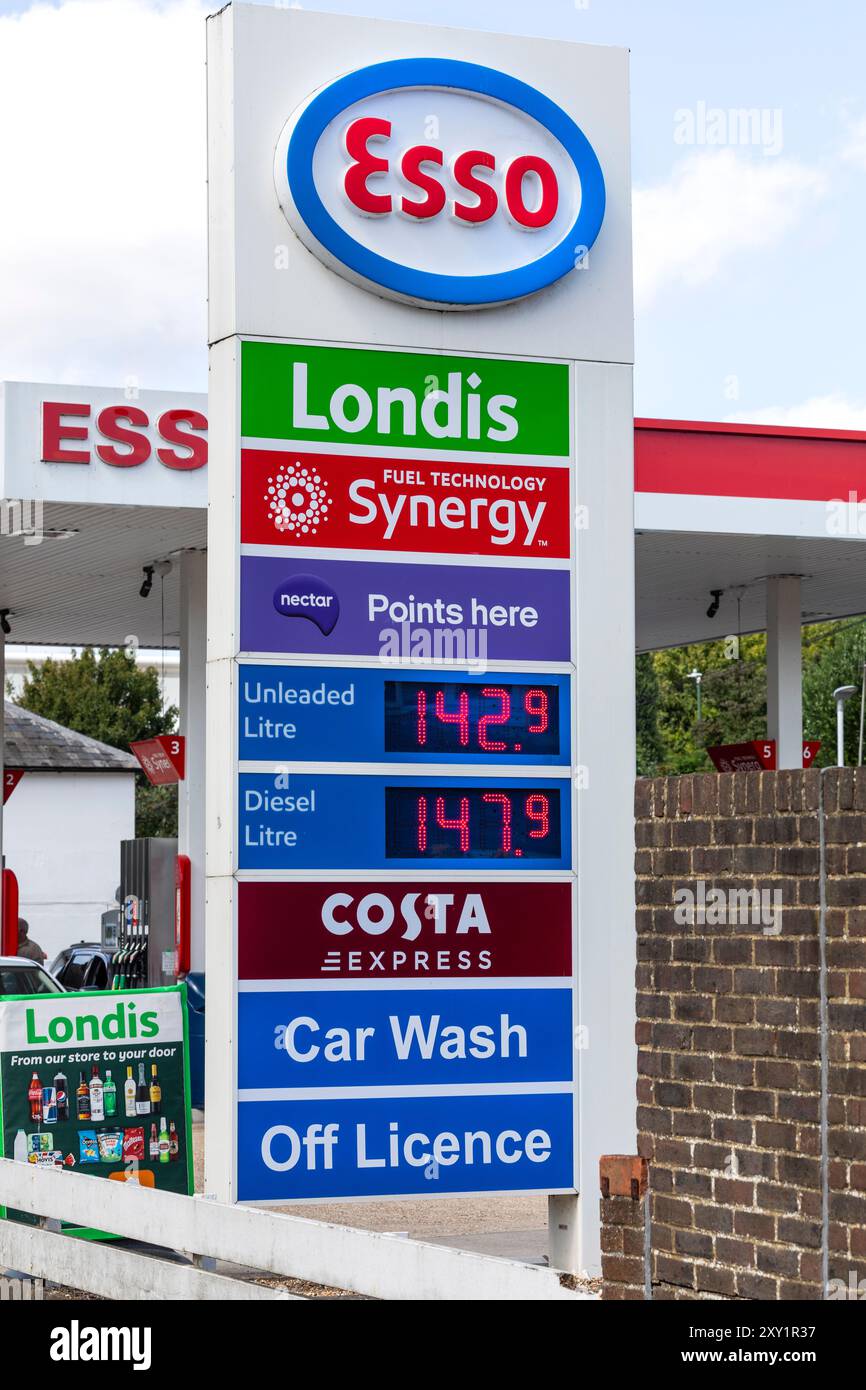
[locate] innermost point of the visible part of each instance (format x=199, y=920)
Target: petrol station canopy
x=122, y=483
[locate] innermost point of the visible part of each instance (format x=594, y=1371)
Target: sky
x=750, y=294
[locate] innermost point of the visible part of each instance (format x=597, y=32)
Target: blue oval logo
x=496, y=196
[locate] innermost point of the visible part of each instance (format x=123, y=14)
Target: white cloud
x=102, y=166
x=831, y=412
x=716, y=205
x=854, y=149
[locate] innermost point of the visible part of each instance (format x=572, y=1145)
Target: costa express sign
x=441, y=183
x=300, y=931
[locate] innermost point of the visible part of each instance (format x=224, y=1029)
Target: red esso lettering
x=169, y=429
x=113, y=423
x=123, y=426
x=530, y=194
x=364, y=164
x=537, y=170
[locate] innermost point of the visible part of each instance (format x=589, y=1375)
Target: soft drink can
x=49, y=1105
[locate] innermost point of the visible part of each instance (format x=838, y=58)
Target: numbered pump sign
x=98, y=1083
x=421, y=504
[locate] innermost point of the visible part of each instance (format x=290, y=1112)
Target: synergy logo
x=306, y=596
x=298, y=500
x=406, y=505
x=492, y=198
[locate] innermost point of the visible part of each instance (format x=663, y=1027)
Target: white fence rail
x=342, y=1257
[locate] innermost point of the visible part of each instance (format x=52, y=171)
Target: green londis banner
x=407, y=400
x=99, y=1083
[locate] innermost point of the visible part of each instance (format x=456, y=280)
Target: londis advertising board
x=99, y=1083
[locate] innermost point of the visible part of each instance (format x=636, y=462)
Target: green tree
x=649, y=741
x=836, y=653
x=733, y=699
x=108, y=696
x=734, y=694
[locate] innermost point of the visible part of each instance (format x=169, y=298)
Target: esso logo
x=440, y=183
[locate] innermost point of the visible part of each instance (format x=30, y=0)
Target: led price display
x=468, y=718
x=472, y=823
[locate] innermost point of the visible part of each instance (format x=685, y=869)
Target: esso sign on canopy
x=440, y=183
x=126, y=435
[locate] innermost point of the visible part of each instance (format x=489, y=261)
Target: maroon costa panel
x=308, y=931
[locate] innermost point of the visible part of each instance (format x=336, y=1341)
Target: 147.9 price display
x=471, y=823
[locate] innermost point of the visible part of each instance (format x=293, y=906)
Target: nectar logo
x=305, y=596
x=298, y=500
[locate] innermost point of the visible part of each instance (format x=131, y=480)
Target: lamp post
x=840, y=695
x=696, y=676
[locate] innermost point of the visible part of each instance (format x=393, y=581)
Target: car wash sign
x=395, y=631
x=495, y=196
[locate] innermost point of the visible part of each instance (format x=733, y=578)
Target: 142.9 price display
x=454, y=717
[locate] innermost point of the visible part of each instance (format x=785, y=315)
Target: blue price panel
x=296, y=1039
x=431, y=1146
x=292, y=714
x=331, y=821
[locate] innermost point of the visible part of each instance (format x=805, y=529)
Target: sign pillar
x=193, y=725
x=420, y=615
x=785, y=668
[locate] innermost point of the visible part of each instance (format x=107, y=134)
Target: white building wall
x=61, y=836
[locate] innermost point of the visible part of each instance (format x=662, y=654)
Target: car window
x=72, y=974
x=96, y=974
x=17, y=979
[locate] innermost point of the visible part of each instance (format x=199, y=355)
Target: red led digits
x=503, y=801
x=538, y=810
x=472, y=822
x=494, y=692
x=508, y=720
x=535, y=702
x=461, y=823
x=460, y=718
x=422, y=717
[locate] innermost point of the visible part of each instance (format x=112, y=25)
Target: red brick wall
x=730, y=1093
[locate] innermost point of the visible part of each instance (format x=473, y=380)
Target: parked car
x=21, y=976
x=86, y=965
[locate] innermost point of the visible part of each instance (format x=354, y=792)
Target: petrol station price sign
x=336, y=549
x=395, y=645
x=346, y=553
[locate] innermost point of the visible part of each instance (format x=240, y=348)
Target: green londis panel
x=404, y=399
